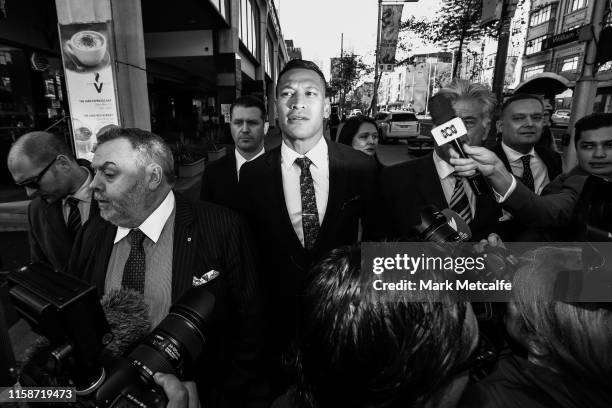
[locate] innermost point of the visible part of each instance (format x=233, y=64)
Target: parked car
x=560, y=117
x=397, y=125
x=355, y=112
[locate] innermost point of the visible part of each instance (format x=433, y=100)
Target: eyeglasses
x=32, y=182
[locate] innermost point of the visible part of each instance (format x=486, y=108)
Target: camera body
x=68, y=313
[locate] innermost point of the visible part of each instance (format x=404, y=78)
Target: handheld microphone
x=128, y=318
x=449, y=128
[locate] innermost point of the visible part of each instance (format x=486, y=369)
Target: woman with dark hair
x=568, y=346
x=361, y=133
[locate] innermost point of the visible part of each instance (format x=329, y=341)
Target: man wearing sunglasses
x=61, y=199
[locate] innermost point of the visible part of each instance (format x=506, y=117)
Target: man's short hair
x=150, y=146
x=593, y=121
x=42, y=147
x=362, y=347
x=520, y=97
x=249, y=101
x=463, y=89
x=302, y=64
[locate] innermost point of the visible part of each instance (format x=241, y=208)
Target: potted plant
x=189, y=158
x=214, y=150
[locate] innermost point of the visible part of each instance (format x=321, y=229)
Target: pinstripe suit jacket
x=206, y=237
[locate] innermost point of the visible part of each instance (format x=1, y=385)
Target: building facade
x=548, y=18
x=190, y=61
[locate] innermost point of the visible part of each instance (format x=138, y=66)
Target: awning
x=544, y=83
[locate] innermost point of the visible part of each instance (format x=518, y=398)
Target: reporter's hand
x=179, y=394
x=493, y=240
x=480, y=159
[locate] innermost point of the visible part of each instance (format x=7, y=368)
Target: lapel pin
x=188, y=239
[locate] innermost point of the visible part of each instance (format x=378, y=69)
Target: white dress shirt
x=538, y=167
x=153, y=225
x=240, y=160
x=83, y=194
x=291, y=182
x=447, y=180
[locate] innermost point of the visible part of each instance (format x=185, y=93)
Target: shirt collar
x=443, y=168
x=240, y=160
x=513, y=155
x=153, y=225
x=84, y=192
x=318, y=154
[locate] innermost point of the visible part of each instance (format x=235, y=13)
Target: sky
x=316, y=26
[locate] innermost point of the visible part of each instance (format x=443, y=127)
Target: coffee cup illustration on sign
x=88, y=47
x=83, y=138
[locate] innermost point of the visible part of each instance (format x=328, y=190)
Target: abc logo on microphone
x=448, y=131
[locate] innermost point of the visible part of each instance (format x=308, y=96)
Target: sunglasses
x=32, y=182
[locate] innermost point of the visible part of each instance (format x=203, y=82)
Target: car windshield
x=403, y=117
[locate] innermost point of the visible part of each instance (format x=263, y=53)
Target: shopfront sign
x=583, y=33
x=88, y=67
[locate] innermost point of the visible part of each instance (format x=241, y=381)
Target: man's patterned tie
x=527, y=178
x=74, y=216
x=134, y=269
x=310, y=214
x=459, y=202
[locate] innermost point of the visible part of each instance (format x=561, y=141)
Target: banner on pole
x=90, y=82
x=391, y=15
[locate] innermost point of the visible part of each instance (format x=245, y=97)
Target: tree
x=345, y=78
x=457, y=21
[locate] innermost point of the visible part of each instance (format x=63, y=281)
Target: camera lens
x=171, y=347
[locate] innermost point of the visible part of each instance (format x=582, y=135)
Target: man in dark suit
x=155, y=242
x=557, y=206
x=408, y=187
x=521, y=125
x=303, y=198
x=248, y=127
x=43, y=164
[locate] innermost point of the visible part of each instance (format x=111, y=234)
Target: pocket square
x=205, y=278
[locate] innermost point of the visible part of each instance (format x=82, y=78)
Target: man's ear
x=155, y=176
x=64, y=162
x=327, y=108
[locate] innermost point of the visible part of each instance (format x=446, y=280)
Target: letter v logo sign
x=98, y=85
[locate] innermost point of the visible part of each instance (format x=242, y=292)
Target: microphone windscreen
x=441, y=109
x=458, y=224
x=128, y=317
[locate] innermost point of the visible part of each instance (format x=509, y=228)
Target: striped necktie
x=310, y=214
x=459, y=202
x=73, y=224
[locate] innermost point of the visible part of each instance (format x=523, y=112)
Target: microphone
x=128, y=317
x=449, y=128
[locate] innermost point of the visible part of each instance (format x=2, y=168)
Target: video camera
x=68, y=313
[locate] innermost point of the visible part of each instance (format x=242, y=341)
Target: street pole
x=502, y=53
x=428, y=89
x=586, y=85
x=342, y=74
x=374, y=106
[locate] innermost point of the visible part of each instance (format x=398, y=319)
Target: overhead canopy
x=547, y=83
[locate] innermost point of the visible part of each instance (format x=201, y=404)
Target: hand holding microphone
x=449, y=129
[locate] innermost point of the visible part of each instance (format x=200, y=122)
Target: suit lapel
x=337, y=180
x=230, y=167
x=183, y=248
x=428, y=183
